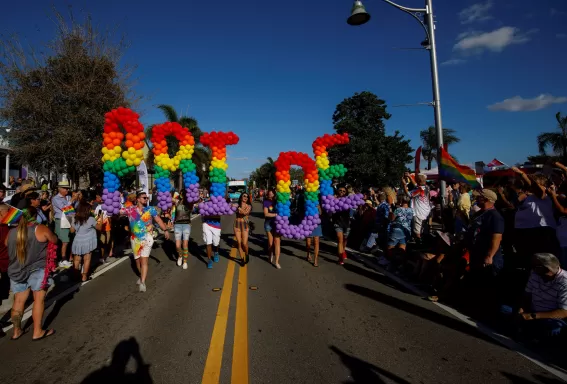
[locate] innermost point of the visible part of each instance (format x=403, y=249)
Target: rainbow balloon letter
x=217, y=142
x=118, y=163
x=311, y=219
x=164, y=164
x=328, y=172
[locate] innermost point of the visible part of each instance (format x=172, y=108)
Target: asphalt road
x=302, y=324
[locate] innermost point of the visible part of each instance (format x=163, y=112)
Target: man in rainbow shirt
x=141, y=227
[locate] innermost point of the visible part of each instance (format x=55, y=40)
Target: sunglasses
x=144, y=198
x=342, y=191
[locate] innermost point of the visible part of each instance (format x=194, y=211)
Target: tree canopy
x=371, y=157
x=54, y=101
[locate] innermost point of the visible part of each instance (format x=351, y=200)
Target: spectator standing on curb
x=60, y=201
x=27, y=249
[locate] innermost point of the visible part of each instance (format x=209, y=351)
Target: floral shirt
x=403, y=218
x=140, y=224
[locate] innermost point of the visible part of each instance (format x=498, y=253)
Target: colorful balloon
x=217, y=142
x=283, y=193
x=116, y=162
x=164, y=165
x=329, y=172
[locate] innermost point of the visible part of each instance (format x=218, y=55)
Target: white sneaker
x=139, y=281
x=65, y=264
x=278, y=266
x=142, y=287
x=184, y=265
x=179, y=261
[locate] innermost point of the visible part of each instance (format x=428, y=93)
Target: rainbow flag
x=450, y=170
x=12, y=216
x=68, y=210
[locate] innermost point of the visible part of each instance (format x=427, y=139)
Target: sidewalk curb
x=73, y=288
x=482, y=328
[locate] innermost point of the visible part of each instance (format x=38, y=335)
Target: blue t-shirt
x=483, y=227
x=271, y=205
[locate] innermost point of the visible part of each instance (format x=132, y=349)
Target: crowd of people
x=495, y=251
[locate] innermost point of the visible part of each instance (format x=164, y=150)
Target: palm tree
x=271, y=168
x=429, y=143
x=201, y=156
x=557, y=140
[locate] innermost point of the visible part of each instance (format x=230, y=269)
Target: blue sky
x=273, y=72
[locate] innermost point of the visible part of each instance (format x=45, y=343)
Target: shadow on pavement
x=324, y=250
x=538, y=379
x=170, y=250
x=419, y=311
x=116, y=371
x=56, y=308
x=363, y=372
x=376, y=277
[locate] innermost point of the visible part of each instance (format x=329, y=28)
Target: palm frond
x=193, y=126
x=552, y=139
x=169, y=112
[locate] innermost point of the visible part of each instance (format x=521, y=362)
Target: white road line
x=482, y=328
x=73, y=288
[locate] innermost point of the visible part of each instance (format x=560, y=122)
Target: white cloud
x=496, y=41
x=519, y=104
x=454, y=62
x=476, y=12
x=561, y=35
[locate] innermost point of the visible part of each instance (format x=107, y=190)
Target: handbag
x=65, y=223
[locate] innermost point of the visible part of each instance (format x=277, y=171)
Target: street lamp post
x=359, y=16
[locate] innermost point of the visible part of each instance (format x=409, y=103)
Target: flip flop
x=45, y=335
x=316, y=265
x=16, y=338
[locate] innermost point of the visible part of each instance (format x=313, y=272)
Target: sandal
x=16, y=338
x=45, y=335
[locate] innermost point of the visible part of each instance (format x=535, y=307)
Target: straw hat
x=64, y=184
x=27, y=187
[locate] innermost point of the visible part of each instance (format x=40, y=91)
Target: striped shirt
x=548, y=295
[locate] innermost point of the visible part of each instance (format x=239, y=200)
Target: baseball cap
x=489, y=195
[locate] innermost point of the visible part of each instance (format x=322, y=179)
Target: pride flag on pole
x=12, y=216
x=450, y=170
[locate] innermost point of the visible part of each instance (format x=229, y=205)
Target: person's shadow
x=116, y=371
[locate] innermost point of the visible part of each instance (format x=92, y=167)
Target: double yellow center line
x=213, y=365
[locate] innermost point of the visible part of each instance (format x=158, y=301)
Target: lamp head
x=358, y=14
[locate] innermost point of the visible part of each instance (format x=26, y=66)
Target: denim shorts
x=268, y=226
x=317, y=232
x=33, y=282
x=182, y=231
x=397, y=236
x=344, y=231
